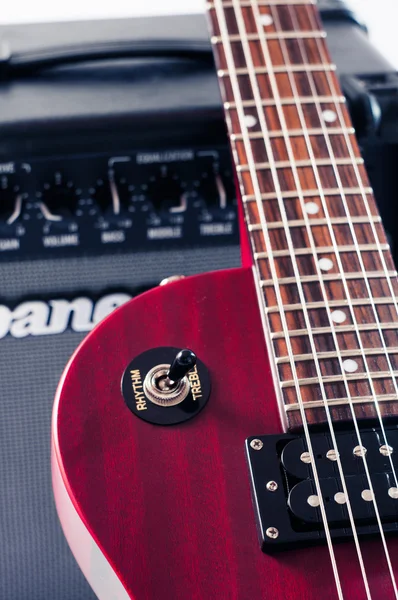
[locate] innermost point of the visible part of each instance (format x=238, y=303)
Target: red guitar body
x=155, y=512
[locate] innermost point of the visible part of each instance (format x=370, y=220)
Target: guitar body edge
x=165, y=512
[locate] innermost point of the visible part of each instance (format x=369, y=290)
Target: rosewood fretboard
x=324, y=267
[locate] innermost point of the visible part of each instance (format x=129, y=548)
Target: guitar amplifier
x=114, y=174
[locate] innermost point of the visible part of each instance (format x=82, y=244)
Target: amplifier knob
x=166, y=192
x=213, y=191
x=10, y=202
x=101, y=194
x=58, y=199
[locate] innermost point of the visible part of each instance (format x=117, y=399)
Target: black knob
x=59, y=197
x=182, y=364
x=209, y=191
x=165, y=191
x=9, y=205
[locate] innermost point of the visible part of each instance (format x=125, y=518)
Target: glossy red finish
x=170, y=507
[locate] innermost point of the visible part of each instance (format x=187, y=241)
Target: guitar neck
x=326, y=276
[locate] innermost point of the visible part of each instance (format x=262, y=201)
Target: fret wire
x=310, y=150
x=337, y=378
x=257, y=95
x=321, y=250
x=293, y=382
x=332, y=87
x=314, y=222
x=348, y=506
x=389, y=282
x=234, y=82
x=252, y=72
x=311, y=165
x=287, y=101
x=332, y=277
x=257, y=135
x=332, y=303
x=279, y=335
x=311, y=194
x=285, y=164
x=303, y=68
x=311, y=239
x=246, y=140
x=330, y=355
x=283, y=35
x=311, y=404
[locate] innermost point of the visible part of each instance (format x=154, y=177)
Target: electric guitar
x=234, y=435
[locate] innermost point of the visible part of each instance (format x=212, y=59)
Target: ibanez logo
x=38, y=318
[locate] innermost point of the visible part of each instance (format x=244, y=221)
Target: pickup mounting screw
x=386, y=450
x=256, y=444
x=367, y=495
x=272, y=533
x=340, y=498
x=393, y=493
x=305, y=458
x=332, y=455
x=360, y=451
x=272, y=486
x=313, y=501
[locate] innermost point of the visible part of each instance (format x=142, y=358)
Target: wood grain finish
x=323, y=262
x=170, y=507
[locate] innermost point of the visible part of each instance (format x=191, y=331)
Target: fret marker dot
x=325, y=264
x=329, y=116
x=311, y=208
x=266, y=20
x=350, y=366
x=338, y=316
x=250, y=121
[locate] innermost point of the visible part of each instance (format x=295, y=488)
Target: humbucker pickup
x=286, y=499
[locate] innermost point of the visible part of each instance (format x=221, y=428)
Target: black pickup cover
x=284, y=508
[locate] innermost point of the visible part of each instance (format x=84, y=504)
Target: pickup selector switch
x=180, y=367
x=166, y=385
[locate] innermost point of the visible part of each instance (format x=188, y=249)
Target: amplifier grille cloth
x=35, y=562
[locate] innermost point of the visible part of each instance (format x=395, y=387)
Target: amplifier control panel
x=100, y=203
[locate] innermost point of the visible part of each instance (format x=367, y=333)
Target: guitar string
x=330, y=151
x=350, y=148
x=292, y=161
x=359, y=179
x=241, y=116
x=310, y=78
